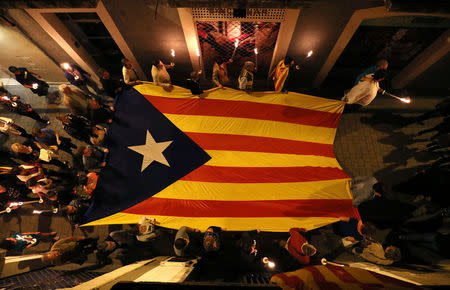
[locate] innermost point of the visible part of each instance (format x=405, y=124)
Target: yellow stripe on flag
x=290, y=99
x=196, y=190
x=257, y=159
x=271, y=224
x=252, y=127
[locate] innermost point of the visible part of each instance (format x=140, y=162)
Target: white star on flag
x=152, y=151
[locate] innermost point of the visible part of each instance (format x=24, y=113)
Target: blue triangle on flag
x=121, y=183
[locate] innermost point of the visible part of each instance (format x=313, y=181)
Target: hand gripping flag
x=231, y=159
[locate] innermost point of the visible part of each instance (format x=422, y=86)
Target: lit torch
x=406, y=100
x=309, y=53
x=172, y=53
x=256, y=57
x=54, y=211
x=199, y=61
x=65, y=66
x=14, y=204
x=35, y=86
x=236, y=44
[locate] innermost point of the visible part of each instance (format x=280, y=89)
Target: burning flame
x=37, y=211
x=35, y=86
x=198, y=52
x=309, y=53
x=271, y=264
x=15, y=204
x=236, y=43
x=5, y=98
x=172, y=52
x=256, y=51
x=406, y=100
x=65, y=65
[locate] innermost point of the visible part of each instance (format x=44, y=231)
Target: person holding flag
x=281, y=72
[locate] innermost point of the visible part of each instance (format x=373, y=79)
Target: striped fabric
x=281, y=73
x=272, y=164
x=332, y=277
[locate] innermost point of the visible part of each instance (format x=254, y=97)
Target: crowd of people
x=413, y=210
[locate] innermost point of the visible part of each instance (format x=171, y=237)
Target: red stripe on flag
x=244, y=109
x=259, y=144
x=294, y=282
x=259, y=208
x=346, y=277
x=321, y=280
x=225, y=174
x=385, y=280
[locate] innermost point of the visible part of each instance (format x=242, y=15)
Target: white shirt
x=5, y=124
x=161, y=76
x=129, y=75
x=363, y=93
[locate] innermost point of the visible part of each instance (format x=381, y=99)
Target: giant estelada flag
x=240, y=161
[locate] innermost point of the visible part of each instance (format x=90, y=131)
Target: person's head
x=158, y=63
x=14, y=70
x=288, y=60
x=393, y=253
x=50, y=257
x=87, y=151
x=210, y=243
x=249, y=66
x=8, y=243
x=103, y=73
x=181, y=243
x=31, y=182
x=36, y=132
x=195, y=75
x=20, y=148
x=220, y=60
x=367, y=229
x=248, y=246
x=63, y=118
x=379, y=75
x=82, y=151
x=68, y=209
x=126, y=63
x=308, y=249
x=65, y=89
x=382, y=64
x=379, y=188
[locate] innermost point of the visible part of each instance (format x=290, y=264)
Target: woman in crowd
x=18, y=242
x=245, y=81
x=220, y=72
x=160, y=75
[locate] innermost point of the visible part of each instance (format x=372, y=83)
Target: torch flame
x=65, y=65
x=406, y=100
x=35, y=86
x=172, y=52
x=256, y=51
x=236, y=43
x=309, y=53
x=37, y=211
